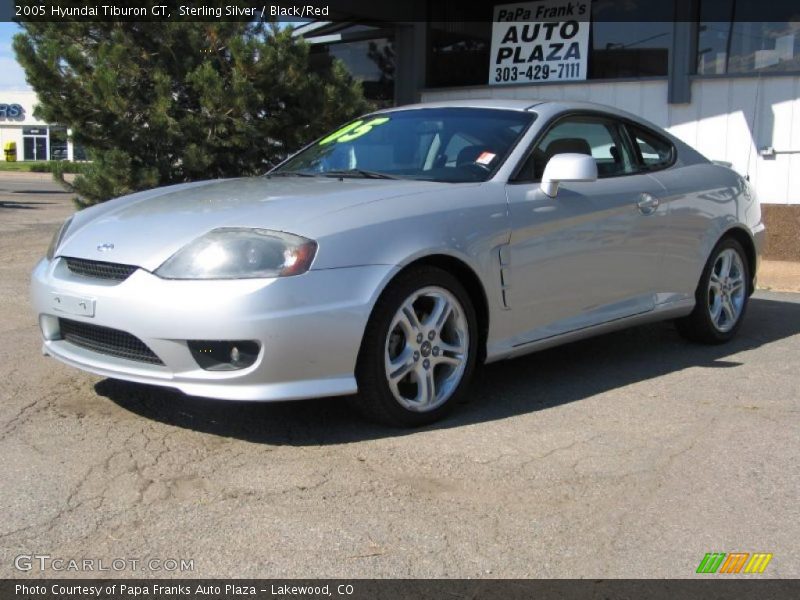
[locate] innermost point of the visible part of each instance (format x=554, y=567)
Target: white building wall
x=728, y=119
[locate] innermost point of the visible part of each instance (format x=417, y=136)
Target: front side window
x=599, y=138
x=443, y=144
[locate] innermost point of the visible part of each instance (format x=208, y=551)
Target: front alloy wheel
x=426, y=349
x=419, y=349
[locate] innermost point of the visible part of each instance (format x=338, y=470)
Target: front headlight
x=240, y=253
x=57, y=237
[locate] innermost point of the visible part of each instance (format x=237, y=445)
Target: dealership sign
x=12, y=112
x=534, y=42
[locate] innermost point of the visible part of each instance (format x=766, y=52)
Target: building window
x=34, y=143
x=58, y=143
x=372, y=62
x=458, y=53
x=630, y=39
x=621, y=51
x=79, y=152
x=728, y=42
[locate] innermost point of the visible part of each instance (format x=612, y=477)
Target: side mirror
x=567, y=167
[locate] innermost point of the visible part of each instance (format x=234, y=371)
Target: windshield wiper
x=359, y=173
x=292, y=174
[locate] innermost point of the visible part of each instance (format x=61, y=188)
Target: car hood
x=148, y=227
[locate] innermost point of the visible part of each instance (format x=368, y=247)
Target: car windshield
x=435, y=144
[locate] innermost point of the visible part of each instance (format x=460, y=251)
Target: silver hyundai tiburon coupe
x=392, y=256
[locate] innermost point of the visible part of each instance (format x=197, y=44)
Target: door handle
x=647, y=204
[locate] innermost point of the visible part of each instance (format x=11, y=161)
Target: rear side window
x=653, y=151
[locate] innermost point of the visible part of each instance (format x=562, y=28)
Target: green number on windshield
x=354, y=130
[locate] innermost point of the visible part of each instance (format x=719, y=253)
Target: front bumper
x=309, y=328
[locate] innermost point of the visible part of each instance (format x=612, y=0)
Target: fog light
x=49, y=327
x=217, y=355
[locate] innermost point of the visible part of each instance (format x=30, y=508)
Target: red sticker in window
x=485, y=158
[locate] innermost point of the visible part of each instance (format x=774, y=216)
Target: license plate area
x=72, y=305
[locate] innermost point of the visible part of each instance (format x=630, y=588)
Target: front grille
x=99, y=270
x=107, y=341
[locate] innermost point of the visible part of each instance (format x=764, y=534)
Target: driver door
x=589, y=255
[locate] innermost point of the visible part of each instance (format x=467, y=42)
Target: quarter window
x=654, y=152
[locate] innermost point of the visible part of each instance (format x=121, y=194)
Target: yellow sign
x=10, y=151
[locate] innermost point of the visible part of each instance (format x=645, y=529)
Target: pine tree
x=162, y=103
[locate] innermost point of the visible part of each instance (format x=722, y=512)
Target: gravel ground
x=629, y=455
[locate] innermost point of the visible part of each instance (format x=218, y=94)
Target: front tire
x=419, y=349
x=721, y=297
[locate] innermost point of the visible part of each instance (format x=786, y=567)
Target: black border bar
x=700, y=588
x=368, y=11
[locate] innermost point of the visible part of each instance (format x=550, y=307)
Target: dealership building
x=722, y=75
x=33, y=138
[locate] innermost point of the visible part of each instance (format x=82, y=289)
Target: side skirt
x=661, y=312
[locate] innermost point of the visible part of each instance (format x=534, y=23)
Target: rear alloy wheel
x=721, y=296
x=419, y=349
x=726, y=290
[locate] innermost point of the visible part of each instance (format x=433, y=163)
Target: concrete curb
x=26, y=175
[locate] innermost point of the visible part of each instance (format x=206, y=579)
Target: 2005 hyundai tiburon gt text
x=392, y=256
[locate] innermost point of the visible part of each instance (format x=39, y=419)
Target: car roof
x=541, y=106
x=545, y=108
x=520, y=105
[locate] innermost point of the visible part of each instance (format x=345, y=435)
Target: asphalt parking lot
x=629, y=455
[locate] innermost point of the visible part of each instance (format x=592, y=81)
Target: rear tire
x=419, y=349
x=721, y=297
